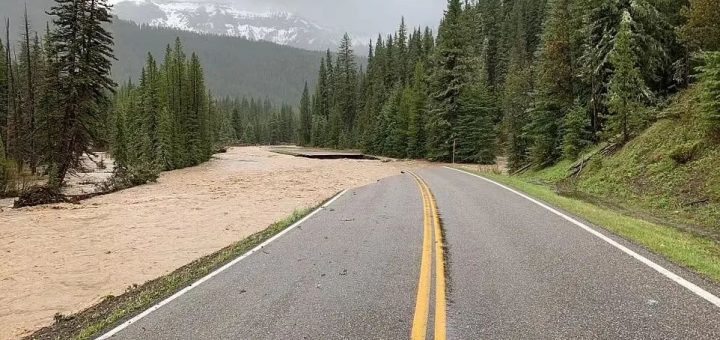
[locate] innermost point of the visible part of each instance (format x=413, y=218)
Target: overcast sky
x=361, y=16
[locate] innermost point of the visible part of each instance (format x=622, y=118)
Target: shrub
x=39, y=195
x=685, y=153
x=129, y=177
x=710, y=84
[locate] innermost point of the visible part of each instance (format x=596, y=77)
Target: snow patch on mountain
x=216, y=18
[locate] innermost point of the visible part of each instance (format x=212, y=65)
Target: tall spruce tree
x=627, y=90
x=417, y=96
x=305, y=117
x=345, y=96
x=85, y=54
x=151, y=108
x=4, y=80
x=29, y=64
x=446, y=80
x=478, y=111
x=554, y=86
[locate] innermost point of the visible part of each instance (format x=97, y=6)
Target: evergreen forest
x=533, y=81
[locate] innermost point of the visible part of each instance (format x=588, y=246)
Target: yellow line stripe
x=440, y=298
x=422, y=303
x=431, y=224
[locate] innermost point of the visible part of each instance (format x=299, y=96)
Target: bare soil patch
x=64, y=258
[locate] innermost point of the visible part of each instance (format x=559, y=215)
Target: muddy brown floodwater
x=64, y=258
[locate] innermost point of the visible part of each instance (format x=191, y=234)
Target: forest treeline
x=534, y=80
x=58, y=104
x=53, y=91
x=170, y=120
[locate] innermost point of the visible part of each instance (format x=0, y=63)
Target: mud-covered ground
x=64, y=258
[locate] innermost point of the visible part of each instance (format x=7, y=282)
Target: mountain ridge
x=280, y=27
x=234, y=66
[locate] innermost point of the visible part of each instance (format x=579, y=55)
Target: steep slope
x=233, y=66
x=668, y=173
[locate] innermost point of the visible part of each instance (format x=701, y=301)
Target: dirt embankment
x=64, y=258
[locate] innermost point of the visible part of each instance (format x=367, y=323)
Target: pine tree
x=119, y=141
x=195, y=121
x=517, y=86
x=653, y=34
x=305, y=117
x=702, y=29
x=177, y=83
x=394, y=142
x=85, y=53
x=416, y=118
x=428, y=43
x=12, y=124
x=627, y=90
x=29, y=112
x=4, y=81
x=49, y=113
x=151, y=107
x=575, y=126
x=237, y=122
x=166, y=147
x=476, y=137
x=555, y=89
x=323, y=104
x=401, y=61
x=710, y=84
x=345, y=95
x=446, y=80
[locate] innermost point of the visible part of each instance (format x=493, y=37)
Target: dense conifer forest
x=535, y=81
x=59, y=105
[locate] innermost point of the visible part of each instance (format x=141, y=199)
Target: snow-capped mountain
x=216, y=18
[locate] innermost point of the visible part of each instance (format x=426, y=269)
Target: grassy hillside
x=669, y=174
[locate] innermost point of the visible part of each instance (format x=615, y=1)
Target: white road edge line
x=147, y=312
x=665, y=272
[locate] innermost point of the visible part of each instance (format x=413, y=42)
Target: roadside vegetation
x=660, y=190
x=114, y=310
x=667, y=173
x=696, y=252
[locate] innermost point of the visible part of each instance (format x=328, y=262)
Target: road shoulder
x=699, y=254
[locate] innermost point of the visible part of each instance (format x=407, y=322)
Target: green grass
x=114, y=310
x=670, y=171
x=698, y=253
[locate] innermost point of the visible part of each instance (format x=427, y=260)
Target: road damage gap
x=321, y=154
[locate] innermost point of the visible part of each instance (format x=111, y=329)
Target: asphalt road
x=514, y=270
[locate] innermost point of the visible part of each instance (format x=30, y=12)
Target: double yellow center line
x=431, y=228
